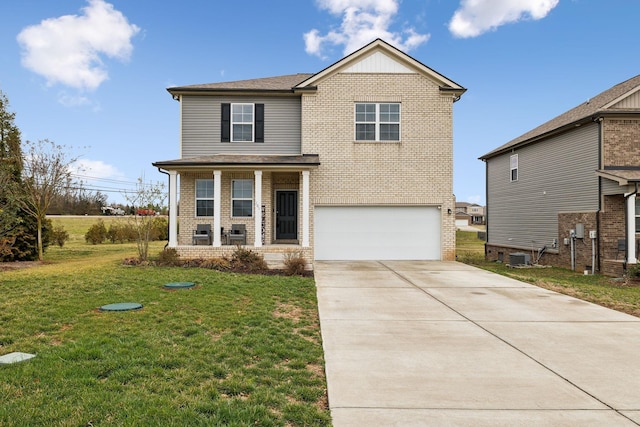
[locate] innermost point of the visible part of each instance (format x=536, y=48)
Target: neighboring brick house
x=579, y=171
x=470, y=212
x=353, y=162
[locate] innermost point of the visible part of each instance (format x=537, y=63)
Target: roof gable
x=379, y=56
x=619, y=98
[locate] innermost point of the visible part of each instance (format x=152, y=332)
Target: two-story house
x=354, y=162
x=471, y=213
x=565, y=192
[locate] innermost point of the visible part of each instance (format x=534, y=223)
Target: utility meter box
x=579, y=231
x=592, y=234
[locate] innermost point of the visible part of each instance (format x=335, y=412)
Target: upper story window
x=377, y=122
x=242, y=122
x=204, y=197
x=241, y=197
x=513, y=161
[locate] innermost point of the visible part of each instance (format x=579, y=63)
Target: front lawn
x=236, y=350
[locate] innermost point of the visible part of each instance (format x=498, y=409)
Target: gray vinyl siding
x=201, y=126
x=555, y=175
x=610, y=187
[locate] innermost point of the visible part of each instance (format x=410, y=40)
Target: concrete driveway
x=419, y=343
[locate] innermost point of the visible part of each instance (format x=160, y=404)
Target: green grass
x=613, y=293
x=236, y=350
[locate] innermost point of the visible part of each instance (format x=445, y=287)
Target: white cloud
x=69, y=49
x=95, y=169
x=362, y=22
x=475, y=17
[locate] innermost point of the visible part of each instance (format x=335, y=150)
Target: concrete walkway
x=413, y=343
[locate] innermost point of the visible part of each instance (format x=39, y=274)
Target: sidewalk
x=437, y=343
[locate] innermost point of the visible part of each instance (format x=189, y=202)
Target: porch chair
x=202, y=233
x=238, y=234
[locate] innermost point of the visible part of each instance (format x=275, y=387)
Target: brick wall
x=621, y=139
x=566, y=222
x=418, y=170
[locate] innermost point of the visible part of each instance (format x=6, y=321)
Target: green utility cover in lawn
x=121, y=306
x=179, y=285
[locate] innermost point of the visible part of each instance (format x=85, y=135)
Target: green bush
x=97, y=233
x=294, y=264
x=169, y=257
x=160, y=228
x=121, y=233
x=59, y=235
x=247, y=260
x=633, y=272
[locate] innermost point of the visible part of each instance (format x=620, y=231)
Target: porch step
x=274, y=260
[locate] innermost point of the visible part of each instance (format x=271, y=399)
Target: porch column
x=173, y=209
x=305, y=209
x=631, y=228
x=257, y=240
x=217, y=199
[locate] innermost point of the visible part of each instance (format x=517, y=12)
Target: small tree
x=46, y=172
x=145, y=196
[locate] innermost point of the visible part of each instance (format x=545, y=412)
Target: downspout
x=486, y=206
x=168, y=216
x=597, y=258
x=628, y=223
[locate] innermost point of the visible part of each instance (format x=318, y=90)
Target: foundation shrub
x=247, y=260
x=294, y=264
x=169, y=257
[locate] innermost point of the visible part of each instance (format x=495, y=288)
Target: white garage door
x=376, y=233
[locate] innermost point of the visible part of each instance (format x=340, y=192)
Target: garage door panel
x=376, y=232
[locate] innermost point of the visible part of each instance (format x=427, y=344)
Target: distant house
x=570, y=185
x=472, y=212
x=352, y=162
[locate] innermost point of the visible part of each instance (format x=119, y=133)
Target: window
x=204, y=197
x=242, y=197
x=637, y=215
x=377, y=122
x=242, y=122
x=514, y=167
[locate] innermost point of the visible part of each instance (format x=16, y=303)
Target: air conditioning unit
x=519, y=258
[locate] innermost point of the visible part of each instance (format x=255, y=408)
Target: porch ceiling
x=240, y=161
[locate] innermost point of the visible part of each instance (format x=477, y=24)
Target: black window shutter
x=259, y=122
x=225, y=125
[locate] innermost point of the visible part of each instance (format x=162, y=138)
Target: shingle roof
x=278, y=83
x=588, y=109
x=242, y=160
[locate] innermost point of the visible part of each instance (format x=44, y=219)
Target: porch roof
x=621, y=176
x=235, y=161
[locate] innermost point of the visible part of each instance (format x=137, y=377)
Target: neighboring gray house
x=570, y=185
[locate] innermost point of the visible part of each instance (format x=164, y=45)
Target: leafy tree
x=46, y=173
x=10, y=171
x=145, y=196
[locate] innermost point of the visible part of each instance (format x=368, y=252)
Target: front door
x=286, y=215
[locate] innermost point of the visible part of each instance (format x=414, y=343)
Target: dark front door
x=286, y=215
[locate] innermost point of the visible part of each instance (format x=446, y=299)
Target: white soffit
x=378, y=62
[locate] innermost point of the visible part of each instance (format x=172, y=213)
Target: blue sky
x=91, y=74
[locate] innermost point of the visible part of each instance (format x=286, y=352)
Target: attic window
x=514, y=167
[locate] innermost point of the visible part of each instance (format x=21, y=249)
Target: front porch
x=266, y=197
